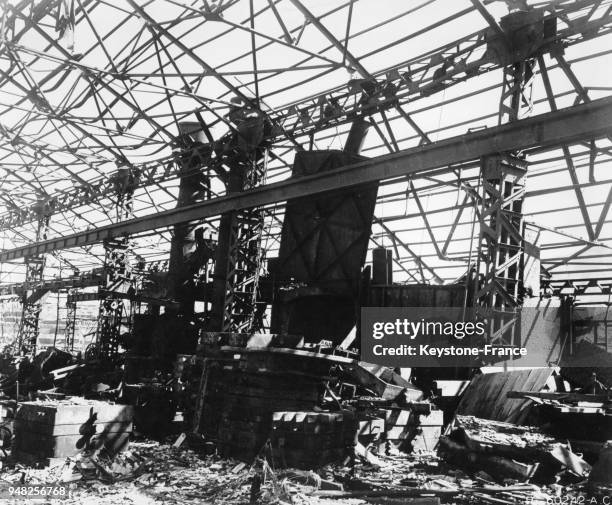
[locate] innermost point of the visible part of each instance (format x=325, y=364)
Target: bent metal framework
x=202, y=202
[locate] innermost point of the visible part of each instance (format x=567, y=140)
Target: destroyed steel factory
x=293, y=252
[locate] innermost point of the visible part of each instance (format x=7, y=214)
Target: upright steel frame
x=500, y=241
x=119, y=280
x=27, y=337
x=242, y=271
x=189, y=269
x=239, y=253
x=71, y=315
x=501, y=245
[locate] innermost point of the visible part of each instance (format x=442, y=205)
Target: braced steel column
x=189, y=248
x=71, y=313
x=239, y=254
x=32, y=298
x=119, y=282
x=242, y=230
x=500, y=243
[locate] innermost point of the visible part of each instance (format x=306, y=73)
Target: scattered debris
x=156, y=473
x=600, y=479
x=507, y=451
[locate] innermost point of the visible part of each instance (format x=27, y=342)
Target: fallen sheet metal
x=496, y=448
x=486, y=396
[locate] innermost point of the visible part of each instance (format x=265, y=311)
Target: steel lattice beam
x=566, y=126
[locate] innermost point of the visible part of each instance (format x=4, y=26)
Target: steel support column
x=239, y=254
x=500, y=242
x=565, y=126
x=32, y=298
x=240, y=235
x=189, y=249
x=119, y=279
x=71, y=313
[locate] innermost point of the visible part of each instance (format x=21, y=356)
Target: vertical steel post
x=185, y=263
x=500, y=243
x=239, y=254
x=71, y=312
x=119, y=280
x=27, y=337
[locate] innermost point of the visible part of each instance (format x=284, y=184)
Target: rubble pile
x=152, y=472
x=309, y=425
x=504, y=451
x=148, y=472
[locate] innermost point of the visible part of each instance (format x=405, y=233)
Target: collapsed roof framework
x=71, y=118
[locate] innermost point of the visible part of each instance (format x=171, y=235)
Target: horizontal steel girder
x=412, y=81
x=566, y=126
